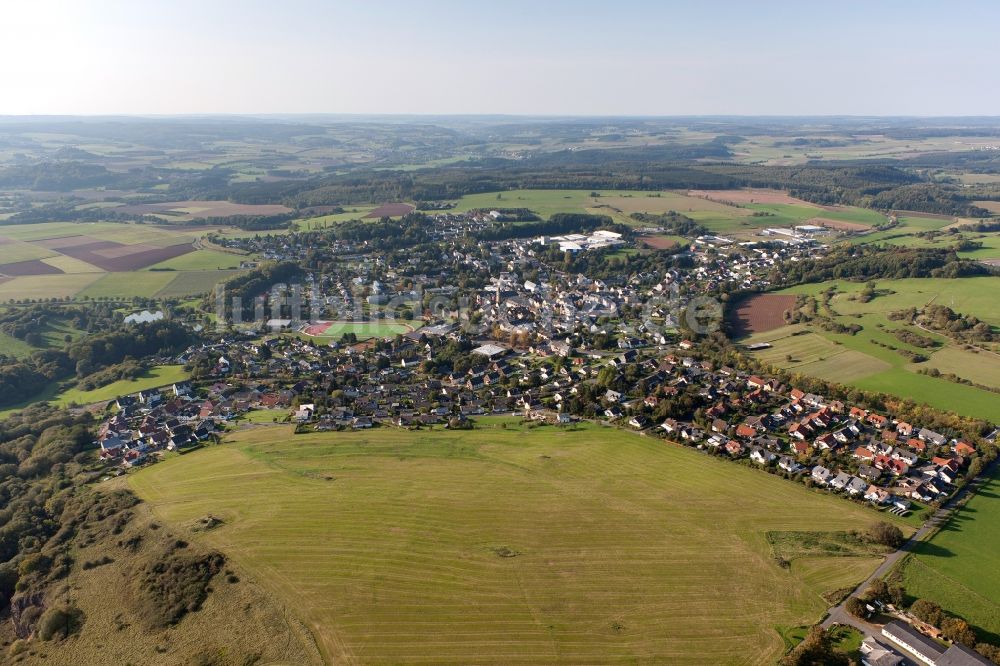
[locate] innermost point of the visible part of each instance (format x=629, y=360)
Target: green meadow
x=509, y=544
x=161, y=375
x=957, y=567
x=863, y=360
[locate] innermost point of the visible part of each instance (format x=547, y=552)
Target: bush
x=817, y=648
x=958, y=630
x=856, y=607
x=59, y=622
x=927, y=611
x=175, y=585
x=886, y=534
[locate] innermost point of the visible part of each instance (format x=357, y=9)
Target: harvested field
x=748, y=196
x=926, y=216
x=115, y=257
x=71, y=265
x=134, y=262
x=192, y=210
x=992, y=206
x=90, y=245
x=391, y=210
x=839, y=225
x=660, y=242
x=32, y=267
x=125, y=250
x=60, y=242
x=759, y=313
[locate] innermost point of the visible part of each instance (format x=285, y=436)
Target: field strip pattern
x=392, y=548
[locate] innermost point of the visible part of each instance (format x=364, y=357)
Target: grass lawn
x=11, y=346
x=201, y=260
x=511, y=545
x=161, y=375
x=190, y=283
x=53, y=333
x=957, y=566
x=264, y=416
x=863, y=360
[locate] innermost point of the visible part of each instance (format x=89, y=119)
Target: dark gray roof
x=959, y=655
x=910, y=636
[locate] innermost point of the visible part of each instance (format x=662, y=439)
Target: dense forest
x=869, y=262
x=244, y=289
x=879, y=186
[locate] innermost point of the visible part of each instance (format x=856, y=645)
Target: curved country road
x=839, y=615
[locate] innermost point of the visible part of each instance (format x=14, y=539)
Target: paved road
x=839, y=615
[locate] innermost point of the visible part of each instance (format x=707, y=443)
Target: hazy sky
x=909, y=57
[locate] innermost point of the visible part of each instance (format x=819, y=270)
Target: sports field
x=512, y=545
x=865, y=360
x=334, y=330
x=957, y=566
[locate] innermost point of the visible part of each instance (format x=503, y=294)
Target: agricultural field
x=511, y=544
x=957, y=566
x=46, y=286
x=663, y=241
x=194, y=282
x=135, y=283
x=760, y=313
x=864, y=360
x=724, y=211
x=391, y=210
x=906, y=230
x=779, y=151
x=200, y=260
x=186, y=211
x=67, y=260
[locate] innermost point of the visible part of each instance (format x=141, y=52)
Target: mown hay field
x=509, y=545
x=867, y=359
x=957, y=566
